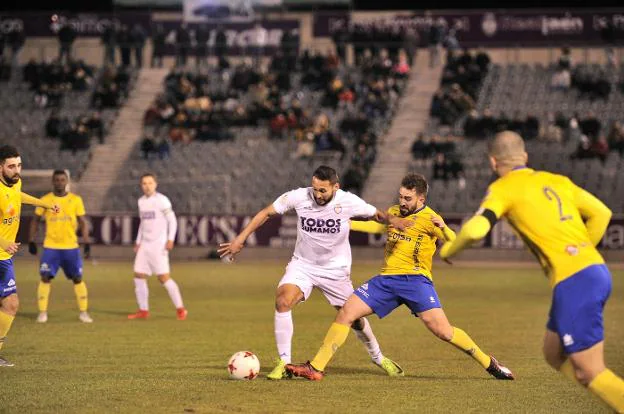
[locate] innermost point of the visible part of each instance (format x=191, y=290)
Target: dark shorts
x=67, y=259
x=577, y=306
x=386, y=293
x=7, y=278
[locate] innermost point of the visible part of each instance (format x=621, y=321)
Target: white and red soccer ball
x=243, y=365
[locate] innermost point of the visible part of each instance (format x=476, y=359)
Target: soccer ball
x=243, y=365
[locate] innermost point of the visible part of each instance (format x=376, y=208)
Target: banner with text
x=280, y=231
x=198, y=11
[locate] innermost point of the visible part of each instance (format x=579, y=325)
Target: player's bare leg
x=287, y=296
x=587, y=368
x=436, y=321
x=364, y=334
x=142, y=294
x=8, y=310
x=174, y=294
x=354, y=309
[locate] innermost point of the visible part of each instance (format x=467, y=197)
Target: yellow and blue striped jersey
x=10, y=209
x=61, y=228
x=546, y=210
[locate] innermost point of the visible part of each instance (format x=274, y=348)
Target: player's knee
x=46, y=278
x=584, y=377
x=10, y=305
x=553, y=360
x=444, y=334
x=76, y=279
x=344, y=317
x=163, y=278
x=283, y=304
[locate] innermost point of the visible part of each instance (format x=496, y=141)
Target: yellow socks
x=335, y=338
x=462, y=341
x=6, y=321
x=80, y=289
x=43, y=294
x=610, y=389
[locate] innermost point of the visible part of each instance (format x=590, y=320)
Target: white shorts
x=337, y=287
x=152, y=260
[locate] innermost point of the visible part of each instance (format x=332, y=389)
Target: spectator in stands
x=608, y=35
x=137, y=38
x=591, y=126
x=402, y=67
x=482, y=60
x=531, y=127
x=340, y=37
x=616, y=137
x=15, y=41
x=565, y=60
x=183, y=44
x=220, y=43
x=109, y=40
x=74, y=139
x=202, y=35
x=53, y=125
x=305, y=144
x=450, y=42
x=600, y=148
x=66, y=36
x=148, y=146
x=583, y=150
x=124, y=41
x=551, y=132
x=353, y=179
x=440, y=167
x=561, y=79
x=163, y=148
x=472, y=126
x=411, y=40
x=96, y=126
x=434, y=41
x=158, y=46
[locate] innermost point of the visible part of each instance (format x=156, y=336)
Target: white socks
x=367, y=337
x=174, y=293
x=142, y=292
x=283, y=335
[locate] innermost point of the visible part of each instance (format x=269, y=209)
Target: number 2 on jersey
x=552, y=195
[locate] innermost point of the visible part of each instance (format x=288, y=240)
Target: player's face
x=409, y=201
x=323, y=191
x=11, y=170
x=59, y=182
x=148, y=185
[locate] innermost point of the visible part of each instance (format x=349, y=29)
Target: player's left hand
x=169, y=245
x=56, y=209
x=438, y=222
x=87, y=250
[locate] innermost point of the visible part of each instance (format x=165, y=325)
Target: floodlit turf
x=163, y=365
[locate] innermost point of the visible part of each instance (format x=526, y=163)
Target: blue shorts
x=67, y=259
x=577, y=306
x=7, y=278
x=386, y=293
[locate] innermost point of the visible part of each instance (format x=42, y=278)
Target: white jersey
x=158, y=221
x=323, y=231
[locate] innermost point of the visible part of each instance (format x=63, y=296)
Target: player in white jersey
x=154, y=241
x=322, y=257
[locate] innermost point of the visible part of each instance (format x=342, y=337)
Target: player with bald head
x=561, y=224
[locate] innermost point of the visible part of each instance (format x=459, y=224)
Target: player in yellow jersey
x=561, y=224
x=60, y=246
x=405, y=279
x=11, y=199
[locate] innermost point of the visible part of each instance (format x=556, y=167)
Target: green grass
x=163, y=365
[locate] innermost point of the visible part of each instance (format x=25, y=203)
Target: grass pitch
x=163, y=365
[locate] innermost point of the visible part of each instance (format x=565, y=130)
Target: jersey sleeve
x=495, y=201
x=287, y=201
x=595, y=213
x=165, y=205
x=361, y=208
x=80, y=209
x=40, y=211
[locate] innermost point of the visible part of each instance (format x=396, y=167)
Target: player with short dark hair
x=60, y=246
x=11, y=199
x=561, y=224
x=321, y=260
x=405, y=279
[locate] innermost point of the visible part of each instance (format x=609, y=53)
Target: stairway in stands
x=393, y=152
x=126, y=132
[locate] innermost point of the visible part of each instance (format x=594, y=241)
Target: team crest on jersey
x=337, y=209
x=10, y=210
x=572, y=250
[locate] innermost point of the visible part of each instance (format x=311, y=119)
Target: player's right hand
x=12, y=248
x=32, y=248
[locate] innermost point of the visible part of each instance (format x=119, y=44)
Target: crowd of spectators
x=112, y=88
x=50, y=81
x=75, y=134
x=447, y=164
x=461, y=79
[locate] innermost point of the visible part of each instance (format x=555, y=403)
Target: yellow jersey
x=410, y=252
x=61, y=228
x=545, y=210
x=10, y=209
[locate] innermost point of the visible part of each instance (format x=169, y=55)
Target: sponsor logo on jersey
x=11, y=282
x=330, y=226
x=568, y=340
x=148, y=215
